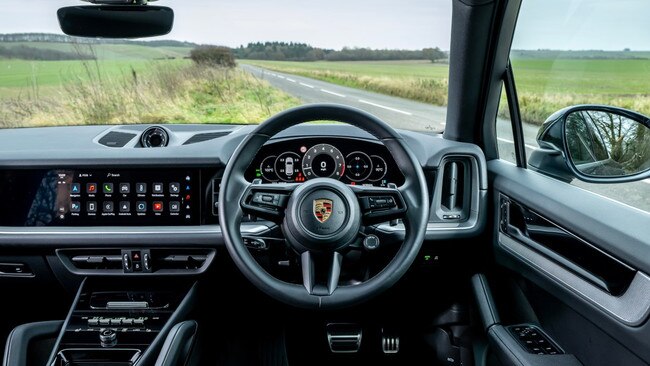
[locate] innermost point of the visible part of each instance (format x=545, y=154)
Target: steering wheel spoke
x=317, y=282
x=267, y=201
x=380, y=204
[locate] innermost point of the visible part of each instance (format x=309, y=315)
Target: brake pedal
x=344, y=337
x=389, y=342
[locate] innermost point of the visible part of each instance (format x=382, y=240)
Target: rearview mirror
x=597, y=144
x=113, y=21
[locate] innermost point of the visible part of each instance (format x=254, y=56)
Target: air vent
x=202, y=137
x=136, y=261
x=451, y=201
x=116, y=139
x=453, y=186
x=107, y=260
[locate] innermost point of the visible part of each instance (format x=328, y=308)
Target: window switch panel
x=534, y=340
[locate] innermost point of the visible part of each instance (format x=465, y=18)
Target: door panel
x=566, y=288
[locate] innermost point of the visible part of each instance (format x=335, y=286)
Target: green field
x=130, y=84
x=20, y=77
x=544, y=85
x=418, y=68
x=45, y=78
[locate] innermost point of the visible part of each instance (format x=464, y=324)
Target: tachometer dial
x=323, y=161
x=358, y=166
x=287, y=167
x=267, y=169
x=379, y=168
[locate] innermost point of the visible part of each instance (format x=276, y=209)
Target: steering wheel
x=321, y=217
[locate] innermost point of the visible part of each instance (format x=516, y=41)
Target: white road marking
x=647, y=181
x=281, y=77
x=307, y=85
x=512, y=142
x=291, y=80
x=384, y=107
x=331, y=92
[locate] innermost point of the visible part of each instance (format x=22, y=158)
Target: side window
x=572, y=53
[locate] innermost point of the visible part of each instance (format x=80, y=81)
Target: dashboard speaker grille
x=116, y=139
x=201, y=137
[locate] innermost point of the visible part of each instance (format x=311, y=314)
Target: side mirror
x=596, y=144
x=116, y=21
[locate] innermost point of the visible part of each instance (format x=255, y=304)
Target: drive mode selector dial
x=323, y=161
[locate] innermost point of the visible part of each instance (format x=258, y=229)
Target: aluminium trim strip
x=631, y=308
x=213, y=229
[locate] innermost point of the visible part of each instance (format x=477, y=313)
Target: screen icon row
x=125, y=188
x=124, y=207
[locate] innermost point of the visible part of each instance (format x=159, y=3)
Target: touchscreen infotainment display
x=100, y=197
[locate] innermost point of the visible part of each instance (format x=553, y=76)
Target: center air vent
x=202, y=137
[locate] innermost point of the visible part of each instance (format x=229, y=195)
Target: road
x=409, y=114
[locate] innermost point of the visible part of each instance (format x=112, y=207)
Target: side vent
x=452, y=190
x=202, y=137
x=453, y=186
x=116, y=139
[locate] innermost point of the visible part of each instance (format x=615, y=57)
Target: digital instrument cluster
x=352, y=161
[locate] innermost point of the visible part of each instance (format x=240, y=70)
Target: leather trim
x=17, y=347
x=178, y=344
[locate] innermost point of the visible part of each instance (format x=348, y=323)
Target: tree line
x=60, y=38
x=283, y=51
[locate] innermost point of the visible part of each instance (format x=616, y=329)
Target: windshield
x=235, y=62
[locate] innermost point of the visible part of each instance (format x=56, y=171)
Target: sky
x=404, y=24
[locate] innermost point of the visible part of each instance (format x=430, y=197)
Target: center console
x=111, y=324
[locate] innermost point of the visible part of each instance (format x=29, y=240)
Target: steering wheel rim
x=234, y=187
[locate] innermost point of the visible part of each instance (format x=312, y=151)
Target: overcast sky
x=410, y=24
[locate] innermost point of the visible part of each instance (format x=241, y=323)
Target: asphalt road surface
x=408, y=114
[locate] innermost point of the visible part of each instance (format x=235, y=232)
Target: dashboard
x=349, y=160
x=81, y=185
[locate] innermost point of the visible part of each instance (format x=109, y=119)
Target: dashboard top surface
x=78, y=145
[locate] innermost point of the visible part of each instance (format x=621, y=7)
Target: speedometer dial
x=358, y=166
x=323, y=161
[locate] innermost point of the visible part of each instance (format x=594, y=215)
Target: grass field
x=29, y=90
x=45, y=93
x=544, y=85
x=129, y=84
x=45, y=78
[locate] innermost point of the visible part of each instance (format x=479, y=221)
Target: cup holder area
x=97, y=357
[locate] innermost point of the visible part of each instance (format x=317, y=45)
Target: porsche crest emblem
x=322, y=209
